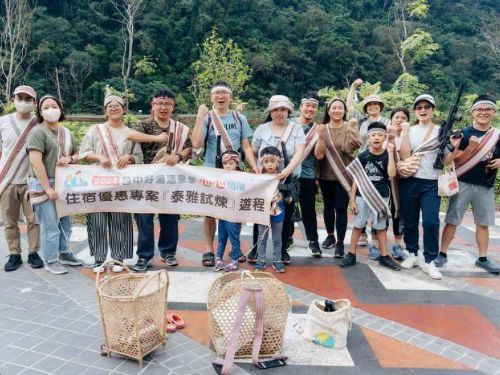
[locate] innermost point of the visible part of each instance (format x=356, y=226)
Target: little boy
x=370, y=193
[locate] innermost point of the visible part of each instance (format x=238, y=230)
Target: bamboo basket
x=222, y=303
x=132, y=308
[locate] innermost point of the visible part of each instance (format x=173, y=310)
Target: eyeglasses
x=425, y=107
x=114, y=106
x=484, y=110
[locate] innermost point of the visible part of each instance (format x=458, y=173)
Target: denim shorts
x=365, y=215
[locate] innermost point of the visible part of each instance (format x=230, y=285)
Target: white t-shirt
x=8, y=139
x=425, y=170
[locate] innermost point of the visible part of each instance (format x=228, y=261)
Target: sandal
x=170, y=325
x=176, y=320
x=208, y=259
x=242, y=259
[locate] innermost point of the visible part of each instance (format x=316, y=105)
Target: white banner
x=157, y=188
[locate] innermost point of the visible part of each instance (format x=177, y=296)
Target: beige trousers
x=12, y=200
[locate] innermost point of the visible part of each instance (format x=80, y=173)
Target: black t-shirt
x=376, y=169
x=478, y=174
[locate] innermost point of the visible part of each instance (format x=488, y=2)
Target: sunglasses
x=420, y=107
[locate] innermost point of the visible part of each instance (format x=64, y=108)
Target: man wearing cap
x=476, y=165
x=14, y=165
x=176, y=149
x=307, y=181
x=372, y=109
x=233, y=130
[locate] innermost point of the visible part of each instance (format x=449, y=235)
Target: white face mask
x=51, y=115
x=24, y=106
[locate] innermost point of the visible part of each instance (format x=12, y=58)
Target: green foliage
x=403, y=91
x=7, y=107
x=420, y=45
x=219, y=60
x=78, y=129
x=418, y=8
x=130, y=120
x=145, y=67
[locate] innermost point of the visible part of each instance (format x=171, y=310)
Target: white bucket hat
x=279, y=101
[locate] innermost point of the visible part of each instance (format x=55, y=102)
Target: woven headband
x=488, y=103
x=220, y=88
x=159, y=99
x=377, y=130
x=230, y=156
x=309, y=100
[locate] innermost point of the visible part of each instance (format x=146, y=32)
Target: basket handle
x=148, y=279
x=105, y=266
x=247, y=273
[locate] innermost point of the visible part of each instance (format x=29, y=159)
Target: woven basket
x=132, y=308
x=223, y=299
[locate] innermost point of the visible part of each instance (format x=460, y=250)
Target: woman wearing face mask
x=278, y=130
x=50, y=145
x=108, y=145
x=420, y=191
x=338, y=139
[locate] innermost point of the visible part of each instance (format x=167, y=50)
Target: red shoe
x=176, y=320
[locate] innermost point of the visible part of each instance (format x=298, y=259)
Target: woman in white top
x=420, y=191
x=108, y=145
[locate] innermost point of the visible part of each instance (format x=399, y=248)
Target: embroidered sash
x=368, y=191
x=219, y=129
x=178, y=135
x=311, y=139
x=108, y=143
x=395, y=188
x=337, y=163
x=17, y=161
x=488, y=143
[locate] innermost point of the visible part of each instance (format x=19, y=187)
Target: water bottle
x=329, y=306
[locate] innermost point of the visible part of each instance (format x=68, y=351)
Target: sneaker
x=339, y=250
x=142, y=264
x=410, y=262
x=69, y=259
x=315, y=250
x=252, y=255
x=363, y=240
x=398, y=252
x=431, y=270
x=56, y=268
x=13, y=263
x=348, y=261
x=440, y=261
x=329, y=242
x=488, y=265
x=289, y=243
x=117, y=268
x=260, y=265
x=98, y=268
x=285, y=257
x=171, y=260
x=373, y=252
x=35, y=260
x=386, y=261
x=279, y=266
x=233, y=266
x=219, y=264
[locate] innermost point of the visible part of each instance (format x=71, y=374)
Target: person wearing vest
x=108, y=145
x=372, y=111
x=224, y=127
x=337, y=142
x=14, y=165
x=279, y=131
x=477, y=163
x=420, y=191
x=176, y=149
x=307, y=181
x=51, y=145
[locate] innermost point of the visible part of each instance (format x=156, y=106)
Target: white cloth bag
x=448, y=181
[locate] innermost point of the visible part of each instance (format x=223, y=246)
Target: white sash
x=368, y=191
x=220, y=130
x=108, y=143
x=488, y=143
x=311, y=139
x=179, y=132
x=17, y=160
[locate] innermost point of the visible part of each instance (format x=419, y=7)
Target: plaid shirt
x=151, y=127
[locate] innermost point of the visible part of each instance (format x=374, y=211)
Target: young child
x=371, y=170
x=226, y=229
x=271, y=157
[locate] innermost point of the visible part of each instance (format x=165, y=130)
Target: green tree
x=220, y=60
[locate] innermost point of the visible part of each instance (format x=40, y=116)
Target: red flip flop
x=170, y=325
x=176, y=320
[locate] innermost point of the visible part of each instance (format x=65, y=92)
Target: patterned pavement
x=404, y=322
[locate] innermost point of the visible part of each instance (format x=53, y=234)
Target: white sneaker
x=410, y=261
x=117, y=268
x=431, y=270
x=99, y=268
x=56, y=268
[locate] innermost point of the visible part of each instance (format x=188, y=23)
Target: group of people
x=362, y=160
